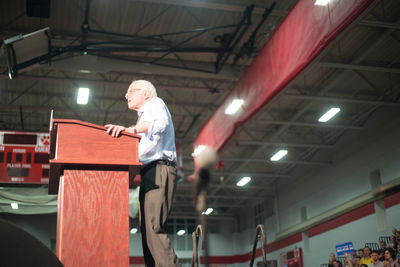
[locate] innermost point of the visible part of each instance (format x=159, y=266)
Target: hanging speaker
x=38, y=8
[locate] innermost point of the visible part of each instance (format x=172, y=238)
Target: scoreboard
x=24, y=157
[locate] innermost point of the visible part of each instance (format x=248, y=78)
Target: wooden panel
x=93, y=219
x=79, y=142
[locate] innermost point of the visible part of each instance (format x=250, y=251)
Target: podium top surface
x=79, y=142
x=92, y=125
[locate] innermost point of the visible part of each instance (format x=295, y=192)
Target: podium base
x=93, y=218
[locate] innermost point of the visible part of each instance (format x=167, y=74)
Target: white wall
x=376, y=147
x=346, y=178
x=354, y=159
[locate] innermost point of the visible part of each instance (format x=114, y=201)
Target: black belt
x=157, y=162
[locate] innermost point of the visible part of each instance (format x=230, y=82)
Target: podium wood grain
x=93, y=218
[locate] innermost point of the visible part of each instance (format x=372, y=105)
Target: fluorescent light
x=243, y=181
x=181, y=232
x=329, y=115
x=278, y=155
x=321, y=2
x=14, y=205
x=208, y=211
x=198, y=150
x=83, y=96
x=134, y=231
x=234, y=106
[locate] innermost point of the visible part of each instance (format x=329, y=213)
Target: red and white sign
x=24, y=157
x=292, y=258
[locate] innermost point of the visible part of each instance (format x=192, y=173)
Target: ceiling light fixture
x=208, y=211
x=134, y=231
x=329, y=115
x=14, y=205
x=198, y=150
x=83, y=96
x=321, y=2
x=278, y=155
x=181, y=232
x=243, y=181
x=234, y=106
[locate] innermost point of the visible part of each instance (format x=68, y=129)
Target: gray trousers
x=157, y=189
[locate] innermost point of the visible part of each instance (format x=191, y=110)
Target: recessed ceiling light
x=14, y=205
x=134, y=231
x=243, y=181
x=208, y=211
x=321, y=2
x=234, y=106
x=278, y=155
x=83, y=96
x=181, y=232
x=329, y=115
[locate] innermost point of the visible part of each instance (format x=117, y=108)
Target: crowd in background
x=388, y=255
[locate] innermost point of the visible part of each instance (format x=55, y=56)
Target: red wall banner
x=303, y=35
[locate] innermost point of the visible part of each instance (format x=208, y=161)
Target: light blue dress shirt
x=159, y=141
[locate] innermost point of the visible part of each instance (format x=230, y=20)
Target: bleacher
x=372, y=246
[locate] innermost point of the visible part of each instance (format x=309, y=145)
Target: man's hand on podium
x=114, y=130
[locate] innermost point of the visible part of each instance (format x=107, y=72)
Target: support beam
x=308, y=124
x=85, y=110
x=264, y=143
x=233, y=197
x=253, y=174
x=341, y=100
x=267, y=161
x=214, y=205
x=380, y=24
x=103, y=82
x=248, y=173
x=266, y=190
x=104, y=98
x=214, y=6
x=193, y=215
x=358, y=67
x=106, y=64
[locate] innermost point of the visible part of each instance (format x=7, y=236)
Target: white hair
x=146, y=85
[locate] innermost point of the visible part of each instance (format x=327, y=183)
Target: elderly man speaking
x=158, y=154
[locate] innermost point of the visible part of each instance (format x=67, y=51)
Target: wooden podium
x=91, y=172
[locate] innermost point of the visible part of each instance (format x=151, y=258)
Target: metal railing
x=372, y=246
x=260, y=234
x=195, y=237
x=385, y=239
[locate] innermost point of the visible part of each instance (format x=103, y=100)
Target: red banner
x=303, y=35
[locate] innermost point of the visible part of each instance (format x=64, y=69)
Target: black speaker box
x=38, y=8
